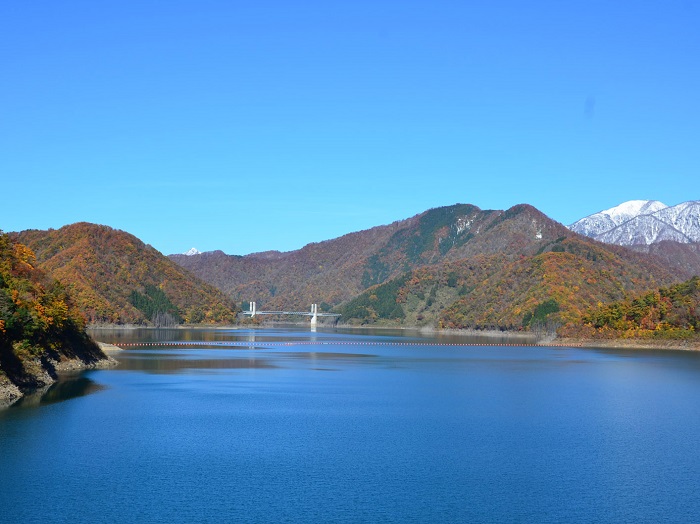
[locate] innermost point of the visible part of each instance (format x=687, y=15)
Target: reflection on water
x=164, y=362
x=341, y=426
x=160, y=335
x=149, y=335
x=169, y=361
x=65, y=388
x=325, y=355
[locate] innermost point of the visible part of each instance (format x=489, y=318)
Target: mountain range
x=643, y=222
x=334, y=271
x=451, y=267
x=455, y=266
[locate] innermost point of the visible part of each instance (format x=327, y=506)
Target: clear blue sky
x=248, y=126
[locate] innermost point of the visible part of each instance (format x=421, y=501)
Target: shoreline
x=41, y=373
x=108, y=348
x=45, y=372
x=515, y=336
x=626, y=343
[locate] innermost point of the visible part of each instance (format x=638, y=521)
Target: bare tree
x=163, y=319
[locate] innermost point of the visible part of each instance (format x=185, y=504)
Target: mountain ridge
x=117, y=278
x=335, y=270
x=639, y=222
x=112, y=269
x=446, y=267
x=510, y=293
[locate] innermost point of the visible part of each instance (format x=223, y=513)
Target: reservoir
x=283, y=425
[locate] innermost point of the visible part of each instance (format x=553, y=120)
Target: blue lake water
x=292, y=426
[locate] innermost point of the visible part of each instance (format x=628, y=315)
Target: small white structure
x=314, y=314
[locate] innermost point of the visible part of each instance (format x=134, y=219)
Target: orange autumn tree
x=36, y=313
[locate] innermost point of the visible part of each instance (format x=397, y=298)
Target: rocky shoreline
x=627, y=343
x=41, y=372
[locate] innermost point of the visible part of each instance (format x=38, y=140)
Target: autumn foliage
x=335, y=271
x=507, y=292
x=669, y=312
x=37, y=315
x=116, y=278
x=451, y=267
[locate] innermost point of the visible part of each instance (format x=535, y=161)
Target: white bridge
x=314, y=314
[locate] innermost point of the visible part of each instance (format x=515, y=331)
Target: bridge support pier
x=314, y=315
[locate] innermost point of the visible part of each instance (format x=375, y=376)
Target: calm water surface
x=292, y=426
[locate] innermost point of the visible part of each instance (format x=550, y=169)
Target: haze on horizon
x=226, y=125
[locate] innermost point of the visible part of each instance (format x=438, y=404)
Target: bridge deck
x=303, y=313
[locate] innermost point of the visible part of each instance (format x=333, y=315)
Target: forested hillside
x=683, y=259
x=452, y=267
x=332, y=272
x=669, y=312
x=499, y=291
x=116, y=278
x=40, y=326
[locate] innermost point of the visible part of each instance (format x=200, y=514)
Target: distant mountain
x=332, y=272
x=603, y=221
x=683, y=259
x=684, y=217
x=643, y=222
x=192, y=251
x=115, y=278
x=456, y=266
x=497, y=291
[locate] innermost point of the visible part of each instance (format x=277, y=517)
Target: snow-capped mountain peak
x=603, y=221
x=192, y=251
x=633, y=208
x=643, y=222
